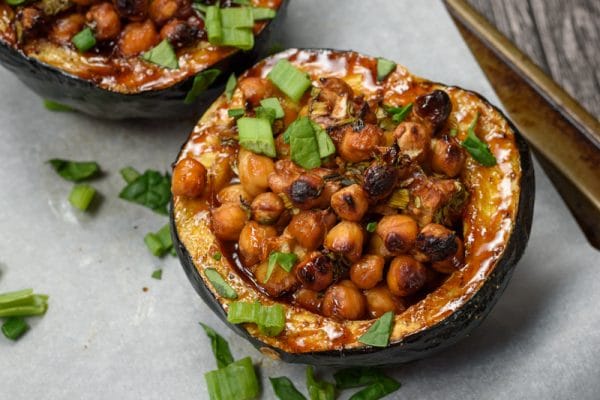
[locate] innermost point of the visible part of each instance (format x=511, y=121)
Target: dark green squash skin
x=427, y=342
x=54, y=84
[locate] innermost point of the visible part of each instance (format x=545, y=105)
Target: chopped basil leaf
x=201, y=82
x=236, y=112
x=377, y=390
x=269, y=319
x=221, y=286
x=318, y=390
x=84, y=40
x=81, y=196
x=129, y=174
x=255, y=134
x=289, y=79
x=285, y=260
x=326, y=146
x=478, y=149
x=151, y=189
x=285, y=390
x=304, y=146
x=162, y=55
x=220, y=347
x=384, y=68
x=75, y=171
x=54, y=106
x=230, y=86
x=237, y=381
x=371, y=227
x=157, y=274
x=399, y=113
x=274, y=104
x=356, y=377
x=13, y=328
x=378, y=334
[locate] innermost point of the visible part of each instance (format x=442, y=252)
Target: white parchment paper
x=105, y=338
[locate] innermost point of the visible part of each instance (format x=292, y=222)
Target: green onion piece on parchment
x=269, y=319
x=220, y=284
x=284, y=389
x=236, y=381
x=220, y=347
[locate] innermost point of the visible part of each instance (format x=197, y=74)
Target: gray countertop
x=103, y=337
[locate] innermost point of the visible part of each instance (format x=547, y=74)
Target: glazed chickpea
x=452, y=263
x=308, y=229
x=406, y=276
x=251, y=244
x=228, y=220
x=414, y=140
x=368, y=271
x=447, y=156
x=350, y=203
x=234, y=194
x=267, y=208
x=65, y=28
x=346, y=238
x=220, y=174
x=344, y=301
x=138, y=37
x=189, y=178
x=315, y=271
x=133, y=10
x=436, y=242
x=398, y=232
x=160, y=11
x=178, y=33
x=308, y=299
x=255, y=89
x=31, y=20
x=254, y=171
x=434, y=107
x=377, y=247
x=380, y=300
x=360, y=145
x=380, y=180
x=286, y=172
x=107, y=24
x=280, y=283
x=306, y=191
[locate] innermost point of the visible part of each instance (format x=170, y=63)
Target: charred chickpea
x=368, y=271
x=133, y=10
x=31, y=20
x=380, y=180
x=447, y=156
x=359, y=143
x=254, y=171
x=308, y=299
x=178, y=32
x=234, y=194
x=189, y=178
x=255, y=89
x=344, y=301
x=315, y=271
x=377, y=247
x=280, y=283
x=406, y=276
x=305, y=192
x=160, y=11
x=436, y=242
x=452, y=263
x=434, y=107
x=414, y=140
x=350, y=203
x=308, y=229
x=267, y=208
x=398, y=232
x=285, y=173
x=380, y=300
x=107, y=24
x=253, y=238
x=228, y=220
x=66, y=27
x=137, y=37
x=346, y=238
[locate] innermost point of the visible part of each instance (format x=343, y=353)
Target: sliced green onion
x=319, y=390
x=157, y=274
x=371, y=227
x=159, y=243
x=75, y=171
x=14, y=327
x=81, y=196
x=304, y=147
x=326, y=146
x=237, y=381
x=54, y=106
x=201, y=82
x=453, y=132
x=217, y=256
x=84, y=40
x=200, y=7
x=274, y=104
x=267, y=114
x=384, y=68
x=399, y=113
x=236, y=112
x=163, y=55
x=285, y=390
x=33, y=304
x=262, y=13
x=164, y=235
x=384, y=386
x=213, y=26
x=255, y=134
x=478, y=149
x=15, y=2
x=378, y=334
x=285, y=260
x=12, y=298
x=230, y=86
x=241, y=38
x=221, y=286
x=242, y=2
x=129, y=174
x=151, y=189
x=220, y=347
x=269, y=319
x=289, y=79
x=237, y=17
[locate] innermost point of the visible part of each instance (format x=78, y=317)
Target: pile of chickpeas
x=358, y=256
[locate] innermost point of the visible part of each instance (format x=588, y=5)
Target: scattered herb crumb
x=157, y=274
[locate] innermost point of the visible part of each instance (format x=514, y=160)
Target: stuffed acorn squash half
x=335, y=209
x=134, y=58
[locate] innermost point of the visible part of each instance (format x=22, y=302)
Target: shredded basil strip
x=384, y=68
x=220, y=347
x=478, y=149
x=285, y=390
x=318, y=390
x=285, y=260
x=151, y=189
x=220, y=284
x=75, y=171
x=201, y=82
x=357, y=377
x=304, y=146
x=378, y=334
x=377, y=390
x=14, y=327
x=162, y=55
x=54, y=106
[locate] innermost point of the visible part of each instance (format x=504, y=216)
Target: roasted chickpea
x=234, y=194
x=398, y=232
x=255, y=89
x=447, y=156
x=308, y=299
x=414, y=140
x=107, y=24
x=380, y=300
x=267, y=208
x=228, y=220
x=436, y=242
x=286, y=172
x=280, y=283
x=163, y=10
x=346, y=238
x=332, y=89
x=368, y=271
x=315, y=271
x=434, y=107
x=220, y=174
x=350, y=203
x=179, y=33
x=305, y=192
x=138, y=37
x=133, y=10
x=251, y=244
x=380, y=180
x=189, y=178
x=452, y=263
x=377, y=247
x=360, y=144
x=308, y=229
x=254, y=171
x=31, y=20
x=406, y=276
x=344, y=301
x=66, y=27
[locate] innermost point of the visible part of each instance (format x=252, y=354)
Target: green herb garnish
x=159, y=243
x=84, y=40
x=285, y=390
x=220, y=347
x=129, y=174
x=268, y=114
x=285, y=260
x=217, y=256
x=236, y=112
x=162, y=55
x=384, y=68
x=255, y=134
x=201, y=82
x=273, y=104
x=289, y=79
x=478, y=149
x=371, y=227
x=262, y=13
x=54, y=106
x=157, y=274
x=75, y=171
x=304, y=146
x=81, y=196
x=377, y=390
x=230, y=86
x=378, y=334
x=318, y=390
x=269, y=319
x=151, y=189
x=237, y=381
x=13, y=328
x=378, y=384
x=398, y=114
x=326, y=146
x=221, y=286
